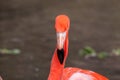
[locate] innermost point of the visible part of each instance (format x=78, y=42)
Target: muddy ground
x=28, y=26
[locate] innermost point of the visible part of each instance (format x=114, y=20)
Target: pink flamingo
x=57, y=70
x=0, y=78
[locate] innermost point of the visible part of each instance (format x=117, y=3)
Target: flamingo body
x=57, y=70
x=71, y=73
x=0, y=78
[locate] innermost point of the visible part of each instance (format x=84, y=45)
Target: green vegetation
x=88, y=52
x=116, y=52
x=9, y=51
x=102, y=55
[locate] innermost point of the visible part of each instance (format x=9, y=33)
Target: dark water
x=28, y=26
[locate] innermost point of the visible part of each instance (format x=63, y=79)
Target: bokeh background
x=28, y=26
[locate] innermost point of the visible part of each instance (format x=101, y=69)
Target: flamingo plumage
x=0, y=78
x=57, y=70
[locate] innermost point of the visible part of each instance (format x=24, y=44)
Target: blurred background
x=28, y=25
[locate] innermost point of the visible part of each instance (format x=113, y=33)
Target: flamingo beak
x=61, y=39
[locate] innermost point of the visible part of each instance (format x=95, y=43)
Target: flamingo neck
x=56, y=69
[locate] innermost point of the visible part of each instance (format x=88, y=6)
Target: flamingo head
x=62, y=23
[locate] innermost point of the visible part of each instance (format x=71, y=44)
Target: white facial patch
x=80, y=76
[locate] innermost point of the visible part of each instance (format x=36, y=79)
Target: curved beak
x=61, y=39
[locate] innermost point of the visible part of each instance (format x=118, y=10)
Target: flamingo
x=57, y=70
x=0, y=78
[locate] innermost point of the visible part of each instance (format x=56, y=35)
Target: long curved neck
x=56, y=69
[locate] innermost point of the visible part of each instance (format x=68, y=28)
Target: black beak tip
x=60, y=54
